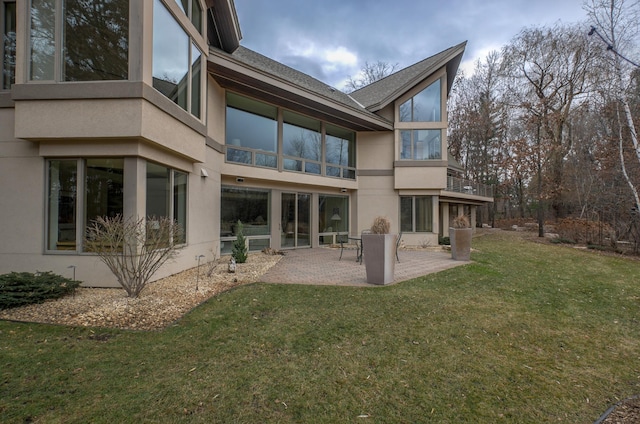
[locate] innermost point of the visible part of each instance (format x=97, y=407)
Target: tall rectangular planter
x=460, y=239
x=379, y=257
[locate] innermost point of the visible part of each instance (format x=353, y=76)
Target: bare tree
x=549, y=70
x=616, y=24
x=369, y=73
x=133, y=249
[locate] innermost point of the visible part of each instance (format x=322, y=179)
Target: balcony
x=459, y=185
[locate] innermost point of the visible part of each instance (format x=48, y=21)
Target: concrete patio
x=321, y=266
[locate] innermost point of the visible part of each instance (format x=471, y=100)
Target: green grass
x=528, y=333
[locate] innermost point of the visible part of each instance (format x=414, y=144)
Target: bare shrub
x=133, y=249
x=583, y=231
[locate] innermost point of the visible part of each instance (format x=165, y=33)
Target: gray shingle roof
x=364, y=101
x=380, y=93
x=279, y=70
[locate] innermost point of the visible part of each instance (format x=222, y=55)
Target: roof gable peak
x=379, y=94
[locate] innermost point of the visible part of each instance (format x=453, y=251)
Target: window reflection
x=195, y=80
x=180, y=203
x=43, y=47
x=170, y=56
x=420, y=144
x=301, y=137
x=252, y=130
x=63, y=180
x=192, y=9
x=93, y=43
x=251, y=208
x=167, y=199
x=9, y=45
x=424, y=106
x=251, y=124
x=96, y=40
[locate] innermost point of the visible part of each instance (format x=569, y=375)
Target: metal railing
x=459, y=185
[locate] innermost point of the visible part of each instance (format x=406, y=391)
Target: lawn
x=527, y=333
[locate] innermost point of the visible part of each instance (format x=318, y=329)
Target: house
x=153, y=108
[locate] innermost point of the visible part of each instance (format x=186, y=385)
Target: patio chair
x=342, y=239
x=361, y=247
x=398, y=245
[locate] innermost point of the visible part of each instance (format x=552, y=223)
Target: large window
x=92, y=43
x=424, y=106
x=301, y=143
x=8, y=17
x=340, y=147
x=252, y=132
x=416, y=214
x=250, y=207
x=333, y=218
x=99, y=193
x=420, y=144
x=177, y=62
x=167, y=196
x=308, y=145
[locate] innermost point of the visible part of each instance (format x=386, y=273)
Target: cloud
x=332, y=39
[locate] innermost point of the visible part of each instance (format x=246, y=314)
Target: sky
x=332, y=40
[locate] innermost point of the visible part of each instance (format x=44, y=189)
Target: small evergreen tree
x=239, y=251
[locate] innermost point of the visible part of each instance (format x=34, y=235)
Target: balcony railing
x=459, y=185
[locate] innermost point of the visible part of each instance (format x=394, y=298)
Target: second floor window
x=177, y=62
x=91, y=44
x=420, y=144
x=260, y=134
x=423, y=107
x=8, y=16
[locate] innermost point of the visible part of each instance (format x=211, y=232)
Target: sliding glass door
x=295, y=220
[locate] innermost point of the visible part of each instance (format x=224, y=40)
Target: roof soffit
x=238, y=75
x=223, y=27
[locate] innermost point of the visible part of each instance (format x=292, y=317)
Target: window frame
x=412, y=144
x=3, y=49
x=59, y=47
x=199, y=26
x=251, y=239
x=412, y=103
x=249, y=156
x=414, y=222
x=192, y=76
x=170, y=198
x=80, y=207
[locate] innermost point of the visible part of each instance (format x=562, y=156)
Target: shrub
x=583, y=231
x=25, y=288
x=239, y=250
x=444, y=241
x=133, y=249
x=381, y=225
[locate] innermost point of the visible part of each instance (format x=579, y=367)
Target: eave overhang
x=223, y=27
x=237, y=76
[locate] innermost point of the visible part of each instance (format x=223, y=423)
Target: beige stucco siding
x=106, y=119
x=415, y=177
x=375, y=151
